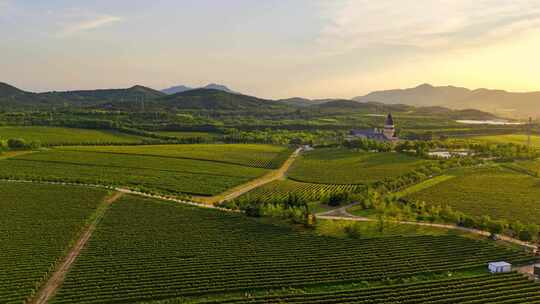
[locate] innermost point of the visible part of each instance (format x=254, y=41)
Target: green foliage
x=16, y=143
x=280, y=190
x=145, y=250
x=67, y=136
x=494, y=191
x=345, y=166
x=170, y=169
x=251, y=155
x=338, y=198
x=38, y=222
x=499, y=289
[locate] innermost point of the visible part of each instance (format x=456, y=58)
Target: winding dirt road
x=258, y=182
x=48, y=290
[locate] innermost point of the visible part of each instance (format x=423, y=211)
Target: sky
x=270, y=48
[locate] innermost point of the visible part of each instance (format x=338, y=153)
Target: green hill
x=12, y=98
x=210, y=99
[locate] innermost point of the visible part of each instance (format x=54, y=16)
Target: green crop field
x=147, y=250
x=529, y=166
x=162, y=174
x=67, y=136
x=37, y=223
x=493, y=289
x=261, y=156
x=518, y=139
x=279, y=190
x=495, y=191
x=184, y=135
x=344, y=166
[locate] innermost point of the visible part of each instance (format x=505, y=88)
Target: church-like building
x=388, y=133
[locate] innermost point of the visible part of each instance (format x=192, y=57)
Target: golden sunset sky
x=273, y=49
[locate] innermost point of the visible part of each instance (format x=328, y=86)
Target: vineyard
x=185, y=135
x=251, y=155
x=498, y=192
x=67, y=136
x=518, y=139
x=281, y=189
x=492, y=289
x=37, y=223
x=146, y=250
x=172, y=169
x=345, y=166
x=531, y=167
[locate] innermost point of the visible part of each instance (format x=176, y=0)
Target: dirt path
x=343, y=214
x=10, y=154
x=48, y=290
x=258, y=182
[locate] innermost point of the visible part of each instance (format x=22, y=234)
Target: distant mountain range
x=183, y=88
x=214, y=98
x=499, y=102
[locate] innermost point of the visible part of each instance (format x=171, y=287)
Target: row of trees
x=391, y=207
x=291, y=207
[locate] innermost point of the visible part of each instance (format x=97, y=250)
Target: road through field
x=343, y=214
x=48, y=290
x=258, y=182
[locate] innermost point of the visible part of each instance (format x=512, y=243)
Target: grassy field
x=185, y=135
x=37, y=223
x=160, y=174
x=147, y=250
x=530, y=166
x=344, y=166
x=173, y=169
x=494, y=289
x=67, y=136
x=279, y=190
x=252, y=155
x=498, y=192
x=518, y=139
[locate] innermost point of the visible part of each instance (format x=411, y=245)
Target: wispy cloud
x=424, y=24
x=88, y=25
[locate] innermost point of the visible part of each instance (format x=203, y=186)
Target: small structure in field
x=499, y=267
x=536, y=270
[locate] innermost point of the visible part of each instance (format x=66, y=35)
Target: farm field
x=281, y=189
x=67, y=136
x=37, y=223
x=518, y=139
x=184, y=135
x=344, y=166
x=528, y=166
x=252, y=155
x=495, y=191
x=147, y=250
x=162, y=172
x=501, y=288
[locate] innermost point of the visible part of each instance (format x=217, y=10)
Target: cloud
x=88, y=25
x=423, y=24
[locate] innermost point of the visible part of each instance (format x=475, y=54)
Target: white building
x=498, y=267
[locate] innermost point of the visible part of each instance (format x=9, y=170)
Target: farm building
x=536, y=270
x=388, y=133
x=498, y=267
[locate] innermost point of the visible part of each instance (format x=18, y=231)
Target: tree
x=529, y=233
x=16, y=143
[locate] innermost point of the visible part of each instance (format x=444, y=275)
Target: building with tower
x=388, y=133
